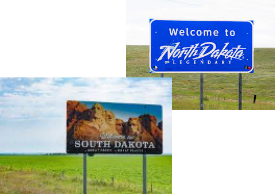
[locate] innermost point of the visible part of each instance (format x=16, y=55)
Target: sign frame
x=249, y=21
x=143, y=113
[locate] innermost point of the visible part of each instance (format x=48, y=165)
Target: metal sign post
x=181, y=46
x=240, y=91
x=79, y=111
x=84, y=173
x=144, y=174
x=201, y=91
x=161, y=75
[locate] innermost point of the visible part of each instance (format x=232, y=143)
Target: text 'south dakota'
x=116, y=144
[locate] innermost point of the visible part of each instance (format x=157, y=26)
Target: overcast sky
x=33, y=110
x=261, y=11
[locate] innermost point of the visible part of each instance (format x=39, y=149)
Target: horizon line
x=149, y=45
x=61, y=153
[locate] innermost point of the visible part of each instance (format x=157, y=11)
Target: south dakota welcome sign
x=103, y=127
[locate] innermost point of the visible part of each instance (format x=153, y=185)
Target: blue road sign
x=201, y=46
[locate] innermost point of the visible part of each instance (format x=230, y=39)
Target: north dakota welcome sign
x=201, y=46
x=101, y=127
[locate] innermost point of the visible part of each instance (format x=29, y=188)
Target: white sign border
x=152, y=71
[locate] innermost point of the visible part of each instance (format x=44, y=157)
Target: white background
x=262, y=12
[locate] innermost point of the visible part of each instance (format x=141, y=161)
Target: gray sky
x=139, y=11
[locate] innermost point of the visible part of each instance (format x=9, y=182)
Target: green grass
x=220, y=90
x=63, y=174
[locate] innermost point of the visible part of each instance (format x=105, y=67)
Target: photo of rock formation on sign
x=90, y=122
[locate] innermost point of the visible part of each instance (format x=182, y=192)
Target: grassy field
x=63, y=174
x=220, y=90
